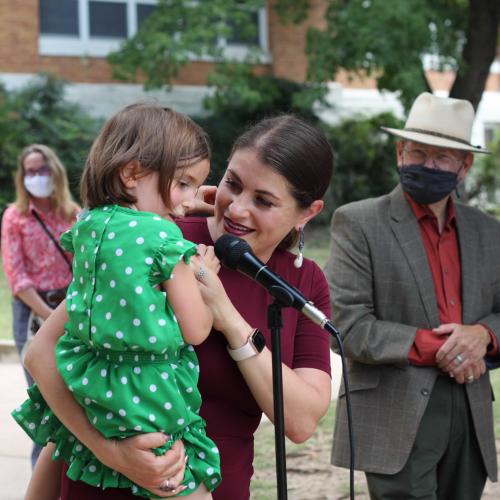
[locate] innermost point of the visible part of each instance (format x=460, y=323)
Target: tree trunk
x=479, y=50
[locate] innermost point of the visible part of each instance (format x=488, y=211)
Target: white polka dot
x=162, y=322
x=152, y=340
x=132, y=223
x=215, y=450
x=138, y=290
x=87, y=401
x=164, y=375
x=214, y=480
x=122, y=412
x=73, y=307
x=136, y=399
x=148, y=260
x=201, y=455
x=32, y=426
x=119, y=334
x=93, y=329
x=98, y=298
x=189, y=390
x=137, y=370
x=128, y=270
x=192, y=485
x=190, y=348
x=112, y=283
x=104, y=372
x=108, y=316
x=139, y=240
x=76, y=349
x=69, y=367
x=156, y=218
x=106, y=345
x=109, y=394
x=122, y=428
x=109, y=416
x=123, y=302
x=152, y=388
x=118, y=252
x=80, y=326
x=151, y=417
x=136, y=322
x=163, y=234
x=85, y=381
x=180, y=421
x=167, y=406
x=81, y=280
x=180, y=243
x=86, y=265
x=82, y=248
x=152, y=307
x=111, y=235
x=210, y=471
x=103, y=266
x=138, y=428
x=93, y=234
x=123, y=380
x=191, y=365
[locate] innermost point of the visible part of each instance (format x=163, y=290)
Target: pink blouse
x=30, y=258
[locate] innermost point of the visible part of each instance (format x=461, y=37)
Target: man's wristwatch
x=253, y=346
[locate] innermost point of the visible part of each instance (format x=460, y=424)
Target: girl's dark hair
x=158, y=139
x=296, y=150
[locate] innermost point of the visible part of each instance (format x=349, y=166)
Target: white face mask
x=40, y=186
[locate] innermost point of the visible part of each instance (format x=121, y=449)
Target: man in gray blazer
x=415, y=284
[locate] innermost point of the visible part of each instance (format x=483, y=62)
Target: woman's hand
x=207, y=258
x=203, y=203
x=133, y=458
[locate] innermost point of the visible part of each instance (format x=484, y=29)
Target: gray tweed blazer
x=382, y=291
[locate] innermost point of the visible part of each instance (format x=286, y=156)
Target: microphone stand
x=275, y=322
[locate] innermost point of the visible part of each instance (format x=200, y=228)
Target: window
x=97, y=27
x=59, y=18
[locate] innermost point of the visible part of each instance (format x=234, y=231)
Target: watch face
x=258, y=340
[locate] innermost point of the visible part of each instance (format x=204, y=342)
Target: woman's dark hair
x=296, y=150
x=159, y=139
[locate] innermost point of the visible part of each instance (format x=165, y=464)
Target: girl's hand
x=207, y=257
x=203, y=203
x=133, y=458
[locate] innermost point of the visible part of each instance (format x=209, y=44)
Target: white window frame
x=86, y=46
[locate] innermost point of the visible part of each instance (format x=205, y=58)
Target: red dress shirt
x=443, y=255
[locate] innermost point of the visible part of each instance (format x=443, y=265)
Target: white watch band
x=247, y=350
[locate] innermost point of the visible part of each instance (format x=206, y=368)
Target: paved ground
x=15, y=446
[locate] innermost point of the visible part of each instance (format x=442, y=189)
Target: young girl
x=134, y=307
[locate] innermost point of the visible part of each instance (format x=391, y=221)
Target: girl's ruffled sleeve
x=170, y=253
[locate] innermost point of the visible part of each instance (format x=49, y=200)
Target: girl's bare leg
x=45, y=481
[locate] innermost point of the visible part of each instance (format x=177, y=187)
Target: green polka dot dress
x=123, y=355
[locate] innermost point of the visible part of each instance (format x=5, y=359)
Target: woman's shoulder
x=12, y=213
x=195, y=229
x=307, y=276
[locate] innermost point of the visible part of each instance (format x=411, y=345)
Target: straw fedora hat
x=440, y=121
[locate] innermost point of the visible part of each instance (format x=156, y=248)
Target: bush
x=38, y=113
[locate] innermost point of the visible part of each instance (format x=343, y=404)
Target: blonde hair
x=158, y=139
x=61, y=199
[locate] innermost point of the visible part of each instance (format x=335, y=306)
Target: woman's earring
x=300, y=257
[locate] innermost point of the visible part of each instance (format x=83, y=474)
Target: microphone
x=236, y=254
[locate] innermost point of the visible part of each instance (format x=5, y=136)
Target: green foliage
x=241, y=99
x=387, y=39
x=38, y=113
x=484, y=180
x=178, y=31
x=365, y=160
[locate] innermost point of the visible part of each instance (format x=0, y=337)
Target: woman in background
x=38, y=271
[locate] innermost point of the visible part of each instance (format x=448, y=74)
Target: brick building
x=71, y=38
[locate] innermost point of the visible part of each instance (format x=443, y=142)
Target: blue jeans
x=20, y=316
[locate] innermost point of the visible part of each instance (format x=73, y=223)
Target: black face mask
x=427, y=185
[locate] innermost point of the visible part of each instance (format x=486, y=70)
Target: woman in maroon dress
x=277, y=174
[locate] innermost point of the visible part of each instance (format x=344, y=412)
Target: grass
x=5, y=308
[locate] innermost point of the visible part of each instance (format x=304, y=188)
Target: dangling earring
x=300, y=257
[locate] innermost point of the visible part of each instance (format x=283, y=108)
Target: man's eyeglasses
x=43, y=170
x=440, y=160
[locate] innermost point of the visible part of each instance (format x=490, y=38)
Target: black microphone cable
x=330, y=328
